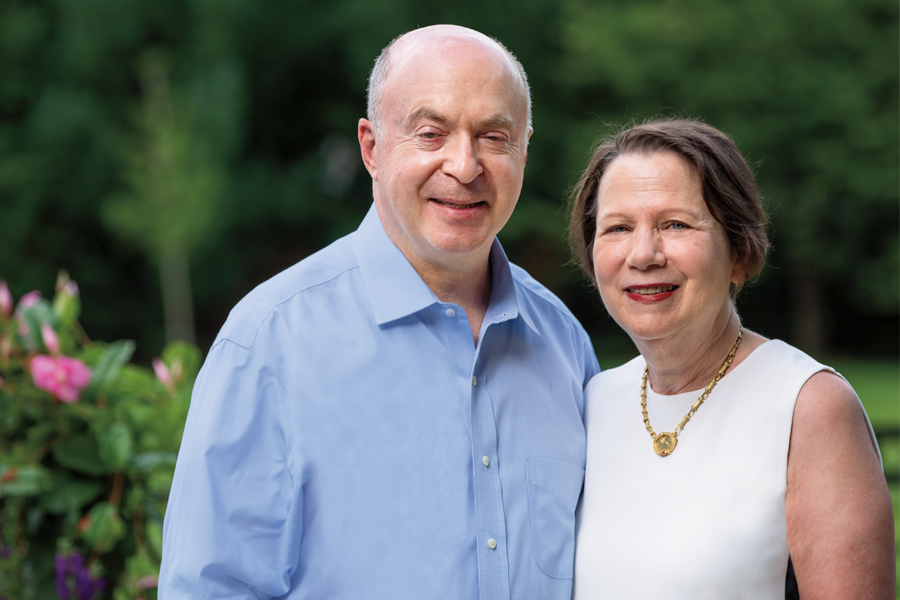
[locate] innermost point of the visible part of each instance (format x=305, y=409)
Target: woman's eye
x=677, y=225
x=617, y=229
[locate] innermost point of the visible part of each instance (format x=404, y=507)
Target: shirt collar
x=504, y=304
x=397, y=290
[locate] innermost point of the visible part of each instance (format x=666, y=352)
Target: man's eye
x=677, y=225
x=429, y=135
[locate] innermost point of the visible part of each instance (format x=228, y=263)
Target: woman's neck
x=689, y=360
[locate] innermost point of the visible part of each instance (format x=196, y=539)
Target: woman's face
x=661, y=260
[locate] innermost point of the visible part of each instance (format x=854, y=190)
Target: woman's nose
x=646, y=249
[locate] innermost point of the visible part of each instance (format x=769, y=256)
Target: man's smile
x=457, y=205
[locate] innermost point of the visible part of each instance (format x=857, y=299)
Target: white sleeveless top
x=707, y=521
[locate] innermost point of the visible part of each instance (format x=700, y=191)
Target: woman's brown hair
x=729, y=187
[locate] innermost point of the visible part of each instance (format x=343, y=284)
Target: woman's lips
x=655, y=292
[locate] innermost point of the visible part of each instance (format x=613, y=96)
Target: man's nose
x=646, y=249
x=462, y=161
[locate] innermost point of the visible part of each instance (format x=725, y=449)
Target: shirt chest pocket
x=553, y=490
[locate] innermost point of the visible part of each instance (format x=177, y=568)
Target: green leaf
x=39, y=433
x=148, y=461
x=153, y=532
x=108, y=365
x=67, y=307
x=34, y=315
x=159, y=483
x=27, y=480
x=135, y=382
x=67, y=494
x=33, y=520
x=80, y=453
x=116, y=446
x=183, y=356
x=105, y=529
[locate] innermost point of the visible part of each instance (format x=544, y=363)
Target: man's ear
x=366, y=133
x=528, y=139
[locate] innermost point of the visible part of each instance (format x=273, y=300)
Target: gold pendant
x=664, y=443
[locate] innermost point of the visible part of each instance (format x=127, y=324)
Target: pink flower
x=148, y=582
x=6, y=300
x=62, y=376
x=51, y=341
x=163, y=374
x=71, y=288
x=29, y=299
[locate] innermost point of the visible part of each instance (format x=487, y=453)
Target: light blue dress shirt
x=348, y=440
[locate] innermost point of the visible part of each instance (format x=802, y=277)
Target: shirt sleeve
x=233, y=522
x=591, y=366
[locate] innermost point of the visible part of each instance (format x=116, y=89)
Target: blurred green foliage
x=87, y=475
x=225, y=131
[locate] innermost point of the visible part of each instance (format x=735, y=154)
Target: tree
x=807, y=89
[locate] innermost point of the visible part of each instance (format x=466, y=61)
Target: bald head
x=426, y=39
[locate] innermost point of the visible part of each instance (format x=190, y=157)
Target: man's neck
x=468, y=288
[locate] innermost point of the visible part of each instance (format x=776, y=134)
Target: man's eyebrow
x=497, y=122
x=429, y=114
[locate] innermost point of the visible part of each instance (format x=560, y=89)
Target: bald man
x=400, y=414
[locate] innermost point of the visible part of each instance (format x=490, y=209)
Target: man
x=400, y=414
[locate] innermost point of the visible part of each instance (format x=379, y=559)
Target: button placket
x=492, y=557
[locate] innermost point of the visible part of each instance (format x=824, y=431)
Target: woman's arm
x=840, y=524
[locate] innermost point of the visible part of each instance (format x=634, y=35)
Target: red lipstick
x=650, y=293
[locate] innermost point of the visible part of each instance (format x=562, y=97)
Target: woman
x=717, y=454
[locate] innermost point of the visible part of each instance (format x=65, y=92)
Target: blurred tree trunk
x=808, y=312
x=175, y=279
x=175, y=176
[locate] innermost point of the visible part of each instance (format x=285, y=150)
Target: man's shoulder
x=539, y=297
x=303, y=278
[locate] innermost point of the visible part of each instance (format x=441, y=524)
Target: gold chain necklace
x=664, y=443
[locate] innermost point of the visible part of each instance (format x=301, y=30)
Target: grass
x=877, y=382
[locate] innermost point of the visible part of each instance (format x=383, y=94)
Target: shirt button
x=486, y=461
x=450, y=312
x=492, y=543
x=474, y=381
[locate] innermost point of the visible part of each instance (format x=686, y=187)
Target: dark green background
x=133, y=133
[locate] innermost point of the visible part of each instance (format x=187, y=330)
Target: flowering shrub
x=87, y=452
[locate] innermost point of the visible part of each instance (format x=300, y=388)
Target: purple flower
x=73, y=580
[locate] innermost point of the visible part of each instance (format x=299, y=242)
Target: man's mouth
x=648, y=291
x=457, y=205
